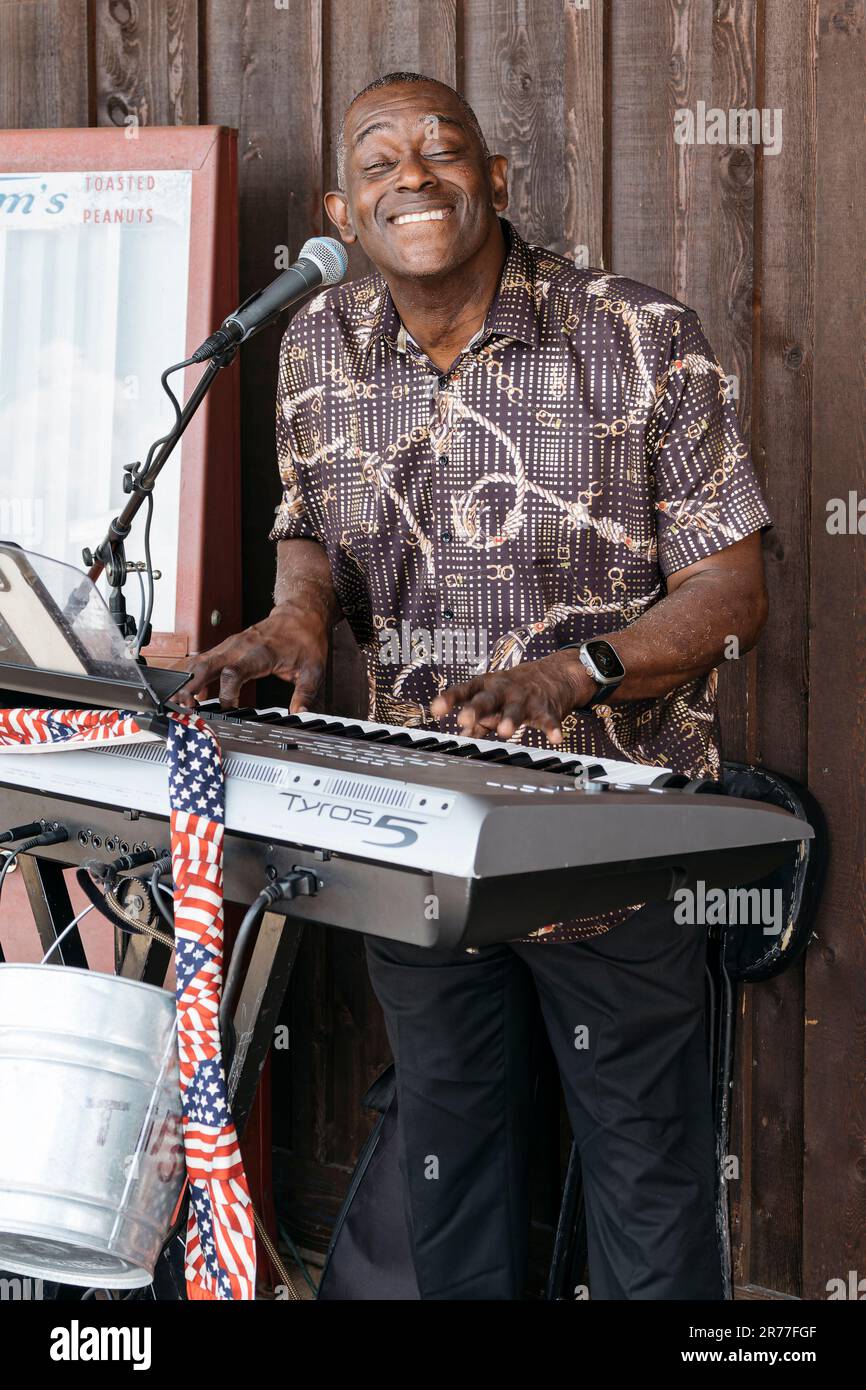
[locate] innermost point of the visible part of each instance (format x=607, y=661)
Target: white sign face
x=93, y=297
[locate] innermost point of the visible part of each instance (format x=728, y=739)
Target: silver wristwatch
x=603, y=664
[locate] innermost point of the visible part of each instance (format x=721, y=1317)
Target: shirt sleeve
x=706, y=494
x=292, y=520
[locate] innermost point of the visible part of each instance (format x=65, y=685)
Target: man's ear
x=337, y=209
x=498, y=170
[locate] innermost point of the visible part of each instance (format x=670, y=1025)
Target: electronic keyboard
x=429, y=838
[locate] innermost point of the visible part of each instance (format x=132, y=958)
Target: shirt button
x=447, y=614
x=446, y=536
x=444, y=458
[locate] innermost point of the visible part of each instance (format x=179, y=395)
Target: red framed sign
x=118, y=256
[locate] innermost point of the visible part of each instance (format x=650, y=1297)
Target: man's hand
x=539, y=693
x=713, y=609
x=292, y=643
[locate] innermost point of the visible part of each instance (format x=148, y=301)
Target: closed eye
x=432, y=154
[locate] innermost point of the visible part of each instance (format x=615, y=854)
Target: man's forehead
x=409, y=110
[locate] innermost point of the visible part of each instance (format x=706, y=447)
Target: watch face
x=606, y=660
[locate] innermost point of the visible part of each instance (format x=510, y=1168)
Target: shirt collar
x=512, y=314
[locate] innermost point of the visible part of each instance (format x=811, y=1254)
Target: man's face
x=421, y=197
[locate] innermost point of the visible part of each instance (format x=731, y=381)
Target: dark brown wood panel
x=781, y=435
x=263, y=75
x=45, y=64
x=770, y=1142
x=535, y=78
x=147, y=57
x=726, y=246
x=655, y=67
x=584, y=92
x=834, y=1198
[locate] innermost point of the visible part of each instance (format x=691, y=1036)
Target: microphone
x=323, y=261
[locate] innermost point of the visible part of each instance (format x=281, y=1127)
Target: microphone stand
x=322, y=261
x=110, y=556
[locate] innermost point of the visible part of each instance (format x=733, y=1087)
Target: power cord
x=158, y=892
x=296, y=883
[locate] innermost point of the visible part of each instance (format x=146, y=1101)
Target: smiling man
x=482, y=442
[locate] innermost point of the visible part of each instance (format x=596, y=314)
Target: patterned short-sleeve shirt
x=581, y=448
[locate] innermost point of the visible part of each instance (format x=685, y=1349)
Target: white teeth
x=437, y=215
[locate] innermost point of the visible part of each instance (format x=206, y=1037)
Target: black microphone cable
x=142, y=636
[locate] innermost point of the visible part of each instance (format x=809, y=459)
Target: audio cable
x=22, y=832
x=54, y=836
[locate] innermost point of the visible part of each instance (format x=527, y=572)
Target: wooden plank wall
x=581, y=96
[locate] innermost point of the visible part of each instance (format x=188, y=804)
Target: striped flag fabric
x=220, y=1238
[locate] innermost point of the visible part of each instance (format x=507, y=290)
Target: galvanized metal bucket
x=91, y=1151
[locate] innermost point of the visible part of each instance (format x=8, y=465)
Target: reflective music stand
x=59, y=642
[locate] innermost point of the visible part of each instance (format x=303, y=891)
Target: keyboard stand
x=258, y=1008
x=52, y=910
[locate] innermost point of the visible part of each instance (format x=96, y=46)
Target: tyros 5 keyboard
x=422, y=837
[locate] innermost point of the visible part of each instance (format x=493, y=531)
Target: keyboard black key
x=399, y=740
x=425, y=744
x=521, y=759
x=492, y=755
x=213, y=711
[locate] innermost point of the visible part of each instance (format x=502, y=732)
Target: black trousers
x=625, y=1016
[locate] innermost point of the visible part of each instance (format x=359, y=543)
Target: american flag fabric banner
x=220, y=1239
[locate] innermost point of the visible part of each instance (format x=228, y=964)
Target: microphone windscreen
x=329, y=255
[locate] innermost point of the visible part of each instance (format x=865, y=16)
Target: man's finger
x=487, y=701
x=511, y=718
x=202, y=674
x=543, y=716
x=231, y=680
x=307, y=682
x=482, y=709
x=455, y=695
x=477, y=728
